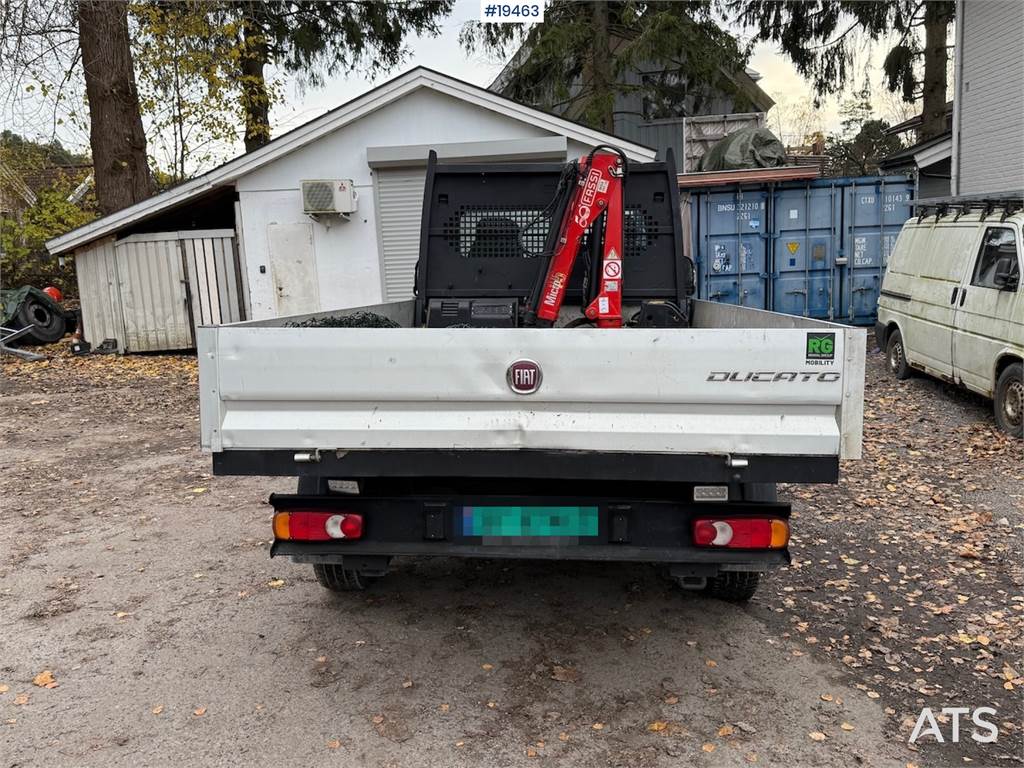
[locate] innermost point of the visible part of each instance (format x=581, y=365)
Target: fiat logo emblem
x=523, y=377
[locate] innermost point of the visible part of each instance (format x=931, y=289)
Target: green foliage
x=560, y=67
x=189, y=91
x=822, y=36
x=860, y=155
x=24, y=229
x=23, y=256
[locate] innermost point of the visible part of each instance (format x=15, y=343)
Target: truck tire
x=734, y=586
x=338, y=578
x=896, y=356
x=1008, y=402
x=47, y=325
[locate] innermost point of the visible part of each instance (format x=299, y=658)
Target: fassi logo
x=587, y=199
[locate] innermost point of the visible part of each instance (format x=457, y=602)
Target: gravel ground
x=144, y=624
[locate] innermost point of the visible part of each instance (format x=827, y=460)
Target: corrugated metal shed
x=149, y=291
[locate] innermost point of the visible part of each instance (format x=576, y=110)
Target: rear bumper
x=627, y=531
x=561, y=465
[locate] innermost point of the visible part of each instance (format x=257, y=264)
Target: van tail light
x=317, y=525
x=741, y=532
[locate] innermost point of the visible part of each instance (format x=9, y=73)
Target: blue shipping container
x=816, y=249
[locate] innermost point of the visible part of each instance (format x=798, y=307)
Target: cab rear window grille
x=485, y=231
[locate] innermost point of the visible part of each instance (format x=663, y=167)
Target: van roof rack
x=1006, y=203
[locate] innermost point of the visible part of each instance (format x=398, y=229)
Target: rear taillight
x=741, y=532
x=317, y=525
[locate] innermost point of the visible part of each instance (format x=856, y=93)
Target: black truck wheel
x=896, y=356
x=1008, y=402
x=338, y=578
x=734, y=586
x=47, y=325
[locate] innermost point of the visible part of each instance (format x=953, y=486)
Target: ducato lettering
x=768, y=377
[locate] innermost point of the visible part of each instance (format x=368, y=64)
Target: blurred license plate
x=529, y=521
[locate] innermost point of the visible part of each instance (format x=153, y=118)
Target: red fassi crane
x=598, y=190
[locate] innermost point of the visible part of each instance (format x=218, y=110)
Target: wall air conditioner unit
x=323, y=197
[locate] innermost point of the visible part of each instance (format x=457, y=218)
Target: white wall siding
x=991, y=108
x=153, y=294
x=98, y=292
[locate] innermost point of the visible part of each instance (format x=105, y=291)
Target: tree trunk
x=115, y=123
x=933, y=112
x=602, y=110
x=255, y=99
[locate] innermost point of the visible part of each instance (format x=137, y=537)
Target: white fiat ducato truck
x=442, y=426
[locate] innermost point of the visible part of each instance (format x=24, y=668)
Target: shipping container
x=813, y=248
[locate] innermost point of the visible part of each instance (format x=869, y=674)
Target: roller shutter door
x=399, y=210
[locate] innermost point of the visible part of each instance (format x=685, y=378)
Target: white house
x=235, y=242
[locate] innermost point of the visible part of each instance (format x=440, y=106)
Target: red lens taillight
x=317, y=525
x=741, y=533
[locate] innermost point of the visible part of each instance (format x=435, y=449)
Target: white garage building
x=236, y=243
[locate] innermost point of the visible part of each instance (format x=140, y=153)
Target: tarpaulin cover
x=746, y=148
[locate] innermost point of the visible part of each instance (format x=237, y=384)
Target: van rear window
x=998, y=256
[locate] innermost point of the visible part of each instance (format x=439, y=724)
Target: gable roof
x=372, y=100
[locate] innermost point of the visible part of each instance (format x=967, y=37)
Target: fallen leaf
x=711, y=663
x=708, y=747
x=460, y=743
x=407, y=684
x=487, y=667
x=826, y=697
x=6, y=688
x=321, y=659
x=563, y=736
x=598, y=726
x=157, y=709
x=198, y=490
x=444, y=707
x=725, y=730
x=817, y=736
x=657, y=725
x=846, y=727
x=275, y=583
x=671, y=699
x=565, y=674
x=333, y=744
x=531, y=752
x=199, y=712
x=873, y=695
x=44, y=679
x=20, y=699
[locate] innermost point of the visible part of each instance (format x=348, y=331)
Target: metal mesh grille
x=500, y=232
x=487, y=231
x=317, y=196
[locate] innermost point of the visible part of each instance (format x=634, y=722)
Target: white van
x=951, y=305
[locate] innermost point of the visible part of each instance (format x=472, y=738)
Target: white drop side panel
x=399, y=193
x=293, y=268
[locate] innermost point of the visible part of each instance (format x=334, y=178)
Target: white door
x=985, y=308
x=293, y=268
x=399, y=193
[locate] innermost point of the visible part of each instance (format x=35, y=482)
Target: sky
x=791, y=118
